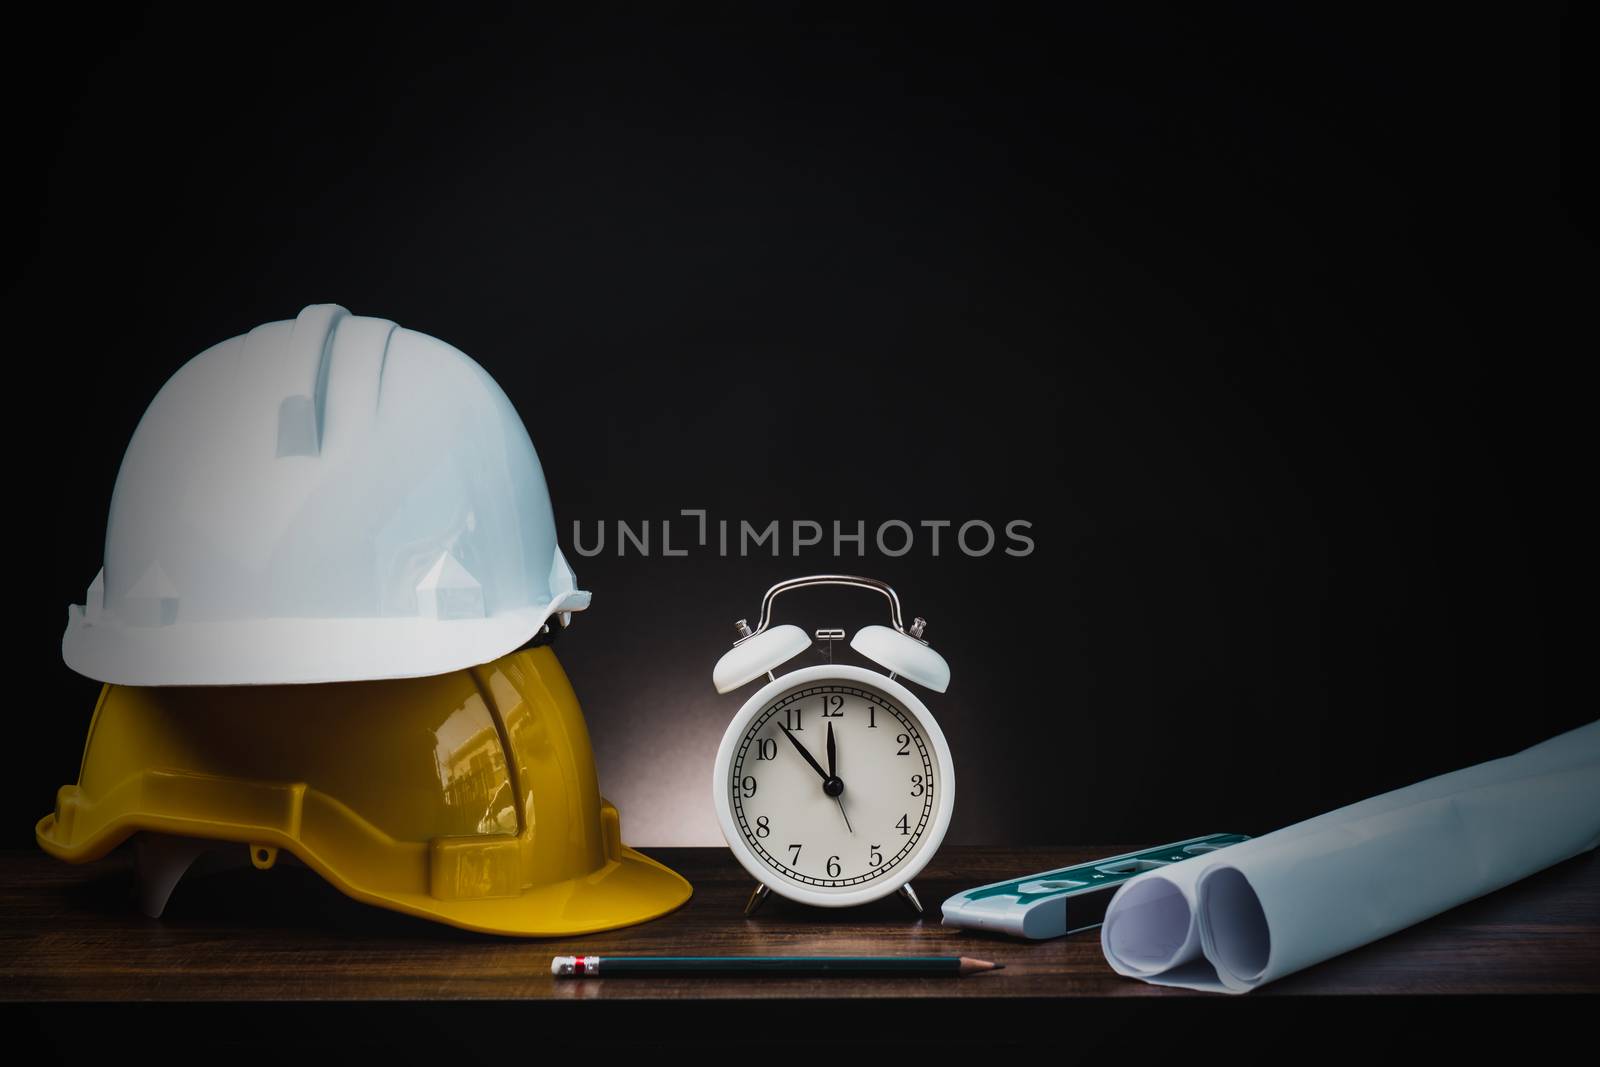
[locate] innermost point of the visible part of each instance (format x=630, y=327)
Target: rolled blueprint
x=1254, y=912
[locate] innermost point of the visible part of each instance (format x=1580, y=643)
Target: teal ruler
x=1053, y=903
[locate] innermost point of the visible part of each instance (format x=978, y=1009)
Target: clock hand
x=802, y=750
x=832, y=785
x=833, y=777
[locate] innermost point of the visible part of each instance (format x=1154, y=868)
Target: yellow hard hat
x=469, y=798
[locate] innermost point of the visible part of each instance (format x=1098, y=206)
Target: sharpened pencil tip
x=999, y=967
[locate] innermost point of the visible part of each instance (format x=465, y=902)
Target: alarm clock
x=833, y=784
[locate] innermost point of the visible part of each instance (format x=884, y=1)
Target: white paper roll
x=1235, y=919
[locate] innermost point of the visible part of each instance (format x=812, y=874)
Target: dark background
x=1270, y=321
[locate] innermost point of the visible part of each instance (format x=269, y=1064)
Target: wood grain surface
x=71, y=934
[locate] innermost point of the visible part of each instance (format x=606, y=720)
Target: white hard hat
x=330, y=499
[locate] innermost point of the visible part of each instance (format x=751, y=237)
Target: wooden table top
x=72, y=934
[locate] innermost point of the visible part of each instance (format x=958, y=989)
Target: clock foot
x=758, y=897
x=909, y=895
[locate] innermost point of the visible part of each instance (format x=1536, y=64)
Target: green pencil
x=614, y=966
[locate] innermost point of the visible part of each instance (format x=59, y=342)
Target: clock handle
x=835, y=579
x=900, y=650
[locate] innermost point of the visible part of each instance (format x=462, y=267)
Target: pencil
x=614, y=966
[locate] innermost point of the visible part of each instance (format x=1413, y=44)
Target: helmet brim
x=297, y=651
x=624, y=892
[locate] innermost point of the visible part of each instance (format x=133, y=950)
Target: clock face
x=857, y=821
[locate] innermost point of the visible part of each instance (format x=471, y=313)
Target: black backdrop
x=1269, y=322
